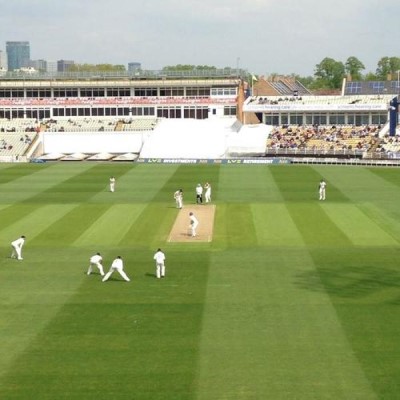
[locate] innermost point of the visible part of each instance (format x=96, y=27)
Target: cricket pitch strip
x=180, y=231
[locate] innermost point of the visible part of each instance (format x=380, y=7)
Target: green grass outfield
x=294, y=298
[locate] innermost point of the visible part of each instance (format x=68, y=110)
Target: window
x=353, y=87
x=123, y=111
x=296, y=119
x=118, y=92
x=92, y=92
x=171, y=92
x=226, y=92
x=377, y=87
x=62, y=92
x=230, y=110
x=145, y=92
x=198, y=92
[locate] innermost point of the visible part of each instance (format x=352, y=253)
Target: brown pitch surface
x=180, y=231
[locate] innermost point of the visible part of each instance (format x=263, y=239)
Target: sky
x=261, y=36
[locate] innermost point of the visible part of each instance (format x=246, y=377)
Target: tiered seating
x=15, y=144
x=100, y=125
x=140, y=124
x=81, y=125
x=324, y=138
x=320, y=100
x=19, y=125
x=390, y=144
x=16, y=135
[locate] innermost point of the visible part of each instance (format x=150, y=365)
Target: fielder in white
x=178, y=196
x=112, y=184
x=160, y=263
x=117, y=265
x=193, y=224
x=322, y=189
x=207, y=194
x=17, y=248
x=95, y=261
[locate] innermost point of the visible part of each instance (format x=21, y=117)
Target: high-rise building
x=134, y=66
x=39, y=65
x=64, y=65
x=18, y=54
x=51, y=66
x=3, y=60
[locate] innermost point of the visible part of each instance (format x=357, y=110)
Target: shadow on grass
x=349, y=282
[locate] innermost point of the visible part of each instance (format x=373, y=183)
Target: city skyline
x=262, y=36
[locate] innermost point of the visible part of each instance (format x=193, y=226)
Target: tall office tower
x=64, y=65
x=39, y=65
x=18, y=54
x=134, y=66
x=3, y=60
x=51, y=66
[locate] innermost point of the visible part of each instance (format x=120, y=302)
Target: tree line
x=328, y=74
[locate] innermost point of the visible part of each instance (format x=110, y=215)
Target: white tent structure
x=209, y=138
x=249, y=140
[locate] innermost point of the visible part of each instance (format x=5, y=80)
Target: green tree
x=96, y=68
x=387, y=66
x=370, y=76
x=306, y=81
x=188, y=67
x=329, y=73
x=353, y=67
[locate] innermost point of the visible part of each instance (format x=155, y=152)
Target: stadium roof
x=125, y=75
x=372, y=87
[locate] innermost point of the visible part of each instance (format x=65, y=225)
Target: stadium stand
x=338, y=140
x=183, y=117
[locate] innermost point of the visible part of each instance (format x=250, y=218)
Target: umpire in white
x=160, y=263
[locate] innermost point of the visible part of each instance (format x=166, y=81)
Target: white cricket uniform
x=17, y=248
x=112, y=184
x=322, y=190
x=117, y=265
x=178, y=196
x=199, y=194
x=193, y=225
x=95, y=261
x=160, y=264
x=207, y=194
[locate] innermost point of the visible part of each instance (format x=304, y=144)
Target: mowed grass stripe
x=144, y=328
x=301, y=183
x=263, y=336
x=315, y=226
x=81, y=186
x=33, y=291
x=359, y=184
x=111, y=227
x=361, y=230
x=274, y=226
x=9, y=214
x=27, y=187
x=67, y=229
x=246, y=183
x=151, y=227
x=234, y=225
x=137, y=184
x=389, y=175
x=9, y=172
x=34, y=222
x=383, y=218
